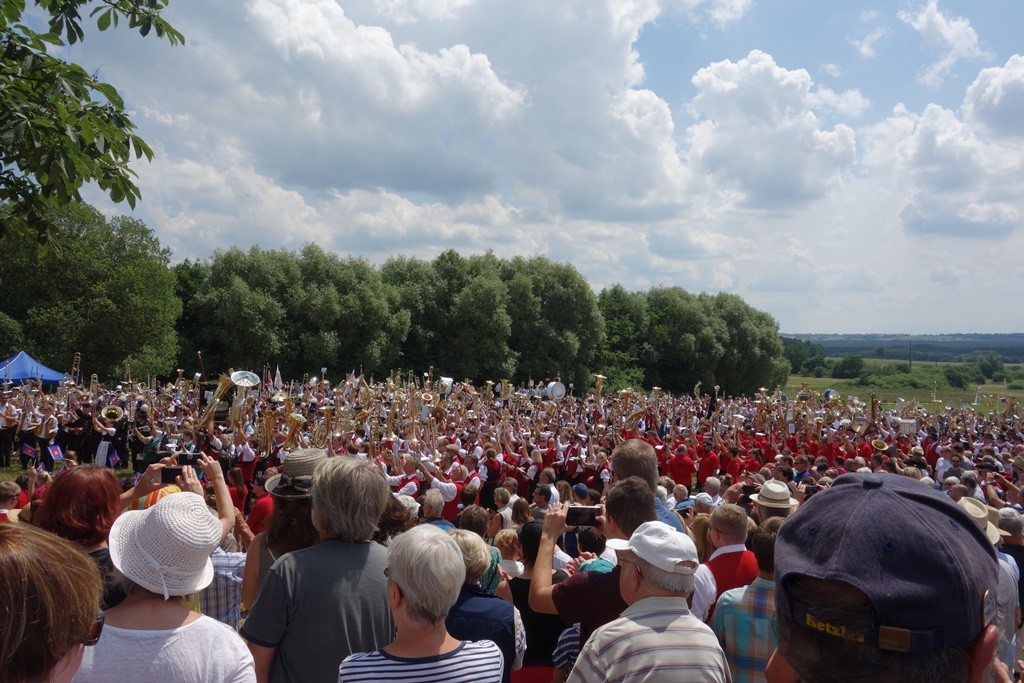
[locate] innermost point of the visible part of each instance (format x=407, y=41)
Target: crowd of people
x=365, y=532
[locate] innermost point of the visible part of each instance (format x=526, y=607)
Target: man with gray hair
x=658, y=564
x=713, y=487
x=321, y=604
x=433, y=505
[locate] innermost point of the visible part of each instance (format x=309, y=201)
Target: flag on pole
x=28, y=451
x=113, y=459
x=55, y=452
x=278, y=382
x=41, y=469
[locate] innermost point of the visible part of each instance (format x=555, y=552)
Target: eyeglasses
x=95, y=630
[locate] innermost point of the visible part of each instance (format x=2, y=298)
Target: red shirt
x=237, y=496
x=681, y=469
x=260, y=513
x=708, y=467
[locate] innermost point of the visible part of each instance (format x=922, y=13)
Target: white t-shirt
x=205, y=650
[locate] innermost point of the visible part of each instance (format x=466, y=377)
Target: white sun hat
x=166, y=548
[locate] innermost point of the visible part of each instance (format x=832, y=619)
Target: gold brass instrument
x=506, y=390
x=696, y=390
x=322, y=431
x=860, y=425
x=295, y=422
x=112, y=413
x=598, y=385
x=265, y=432
x=94, y=383
x=223, y=384
x=365, y=394
x=633, y=420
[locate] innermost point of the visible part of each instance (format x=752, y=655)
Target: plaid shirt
x=222, y=599
x=743, y=623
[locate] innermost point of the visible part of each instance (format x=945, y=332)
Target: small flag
x=41, y=469
x=55, y=452
x=28, y=451
x=113, y=459
x=278, y=382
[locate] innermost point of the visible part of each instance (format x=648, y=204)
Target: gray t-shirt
x=318, y=606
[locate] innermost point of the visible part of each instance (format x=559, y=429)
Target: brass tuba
x=223, y=384
x=112, y=413
x=295, y=422
x=598, y=385
x=322, y=431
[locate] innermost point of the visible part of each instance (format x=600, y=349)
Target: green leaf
x=103, y=23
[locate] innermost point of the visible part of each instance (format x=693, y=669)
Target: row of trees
x=108, y=291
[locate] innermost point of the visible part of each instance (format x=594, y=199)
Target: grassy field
x=11, y=474
x=990, y=397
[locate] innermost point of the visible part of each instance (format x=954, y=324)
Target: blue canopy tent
x=21, y=367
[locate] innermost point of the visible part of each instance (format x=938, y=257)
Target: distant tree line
x=108, y=290
x=948, y=348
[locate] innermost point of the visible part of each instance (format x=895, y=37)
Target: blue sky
x=847, y=167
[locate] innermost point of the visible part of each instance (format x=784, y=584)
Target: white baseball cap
x=661, y=546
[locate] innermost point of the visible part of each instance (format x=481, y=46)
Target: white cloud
x=953, y=35
x=724, y=12
x=849, y=103
x=411, y=11
x=866, y=45
x=833, y=70
x=758, y=133
x=995, y=100
x=957, y=182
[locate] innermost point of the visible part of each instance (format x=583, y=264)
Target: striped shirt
x=656, y=639
x=743, y=623
x=471, y=662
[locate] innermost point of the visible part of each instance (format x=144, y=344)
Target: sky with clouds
x=847, y=167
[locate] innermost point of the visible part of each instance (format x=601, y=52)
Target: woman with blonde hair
x=521, y=513
x=480, y=614
x=701, y=529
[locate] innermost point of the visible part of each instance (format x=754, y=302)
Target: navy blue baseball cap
x=927, y=569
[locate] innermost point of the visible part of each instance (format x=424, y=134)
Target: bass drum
x=555, y=391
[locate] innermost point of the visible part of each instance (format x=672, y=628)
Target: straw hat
x=774, y=494
x=296, y=477
x=979, y=513
x=166, y=548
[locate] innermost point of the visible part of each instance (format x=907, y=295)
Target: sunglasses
x=95, y=630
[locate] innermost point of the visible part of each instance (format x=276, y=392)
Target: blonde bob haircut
x=475, y=554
